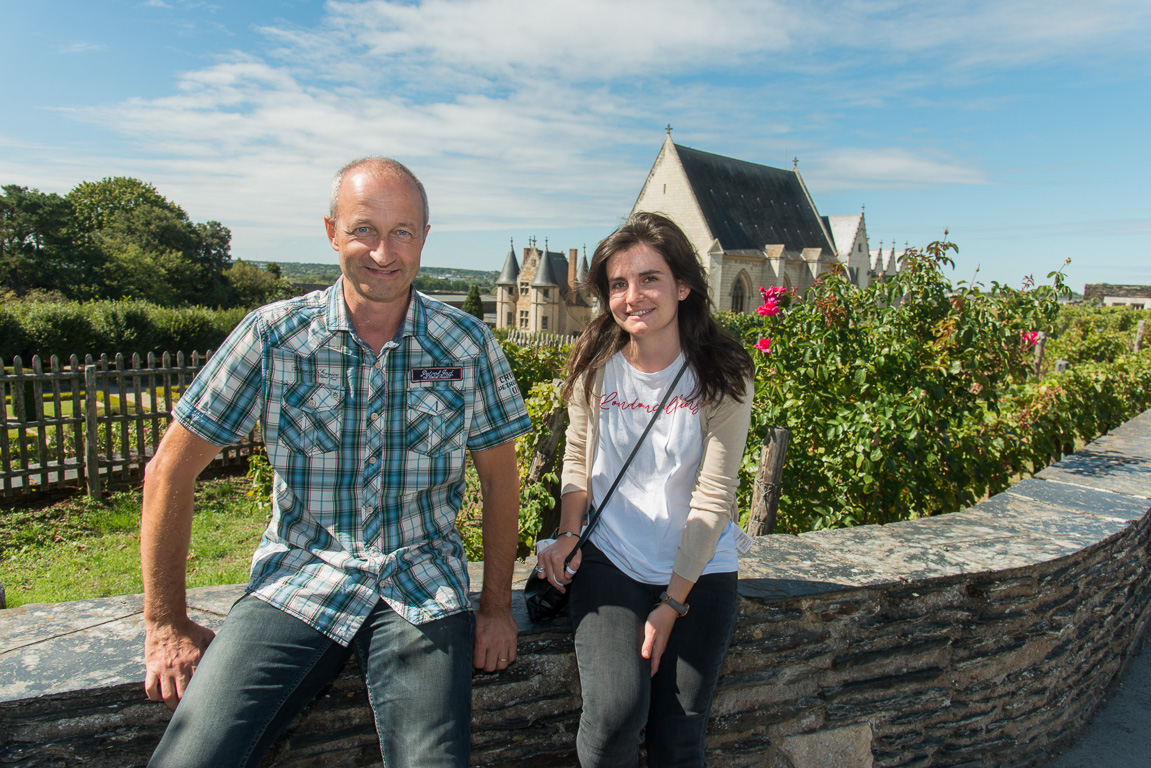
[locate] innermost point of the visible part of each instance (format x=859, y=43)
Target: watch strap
x=675, y=605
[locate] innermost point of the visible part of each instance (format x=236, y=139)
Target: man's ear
x=330, y=228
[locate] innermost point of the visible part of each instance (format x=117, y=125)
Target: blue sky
x=1024, y=127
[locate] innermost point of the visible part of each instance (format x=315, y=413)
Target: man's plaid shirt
x=368, y=451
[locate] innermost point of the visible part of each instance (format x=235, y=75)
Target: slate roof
x=552, y=271
x=748, y=206
x=511, y=271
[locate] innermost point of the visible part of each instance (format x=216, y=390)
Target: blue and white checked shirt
x=368, y=451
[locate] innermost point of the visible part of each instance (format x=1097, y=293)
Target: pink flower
x=772, y=293
x=769, y=308
x=1029, y=338
x=763, y=345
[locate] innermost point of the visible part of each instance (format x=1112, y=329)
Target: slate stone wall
x=982, y=638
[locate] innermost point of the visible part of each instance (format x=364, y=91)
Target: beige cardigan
x=724, y=424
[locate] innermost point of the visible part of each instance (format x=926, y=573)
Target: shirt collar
x=338, y=319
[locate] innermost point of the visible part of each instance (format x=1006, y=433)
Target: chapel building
x=752, y=225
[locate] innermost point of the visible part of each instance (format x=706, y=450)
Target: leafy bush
x=45, y=328
x=58, y=329
x=531, y=364
x=889, y=392
x=1093, y=334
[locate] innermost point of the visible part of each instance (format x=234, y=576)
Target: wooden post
x=19, y=411
x=1139, y=334
x=1039, y=344
x=765, y=496
x=41, y=420
x=91, y=434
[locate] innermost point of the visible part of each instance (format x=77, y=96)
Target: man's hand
x=496, y=637
x=170, y=657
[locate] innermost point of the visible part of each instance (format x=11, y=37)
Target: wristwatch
x=677, y=606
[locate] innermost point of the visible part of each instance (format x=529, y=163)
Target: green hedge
x=47, y=328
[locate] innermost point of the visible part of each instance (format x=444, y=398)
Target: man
x=368, y=395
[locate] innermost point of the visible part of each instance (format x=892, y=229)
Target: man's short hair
x=378, y=164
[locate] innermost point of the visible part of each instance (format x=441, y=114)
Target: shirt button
x=372, y=460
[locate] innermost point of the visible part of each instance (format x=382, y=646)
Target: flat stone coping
x=1083, y=500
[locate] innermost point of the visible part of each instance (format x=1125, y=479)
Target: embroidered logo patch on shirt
x=507, y=384
x=438, y=374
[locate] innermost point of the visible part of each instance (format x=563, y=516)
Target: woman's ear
x=684, y=289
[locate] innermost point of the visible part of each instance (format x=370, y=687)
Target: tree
x=139, y=229
x=253, y=287
x=97, y=201
x=41, y=247
x=472, y=304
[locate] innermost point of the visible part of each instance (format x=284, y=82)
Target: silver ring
x=569, y=571
x=541, y=569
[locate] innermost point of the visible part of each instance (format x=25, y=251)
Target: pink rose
x=769, y=308
x=763, y=345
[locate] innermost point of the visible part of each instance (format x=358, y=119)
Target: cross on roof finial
x=794, y=163
x=669, y=129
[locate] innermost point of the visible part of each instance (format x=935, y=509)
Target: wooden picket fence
x=83, y=424
x=540, y=338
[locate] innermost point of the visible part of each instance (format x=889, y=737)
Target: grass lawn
x=77, y=549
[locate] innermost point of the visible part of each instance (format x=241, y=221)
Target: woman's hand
x=551, y=562
x=656, y=631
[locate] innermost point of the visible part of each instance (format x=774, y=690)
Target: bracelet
x=567, y=534
x=675, y=605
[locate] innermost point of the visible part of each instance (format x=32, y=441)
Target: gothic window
x=544, y=323
x=739, y=291
x=737, y=297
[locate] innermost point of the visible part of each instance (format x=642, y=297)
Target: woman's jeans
x=620, y=698
x=265, y=666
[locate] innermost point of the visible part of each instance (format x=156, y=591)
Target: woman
x=648, y=666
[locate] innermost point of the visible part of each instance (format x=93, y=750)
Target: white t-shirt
x=644, y=518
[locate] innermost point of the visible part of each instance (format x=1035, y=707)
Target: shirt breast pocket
x=435, y=420
x=311, y=417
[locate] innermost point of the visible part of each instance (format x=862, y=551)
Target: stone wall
x=982, y=638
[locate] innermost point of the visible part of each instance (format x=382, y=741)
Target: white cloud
x=522, y=113
x=885, y=167
x=81, y=47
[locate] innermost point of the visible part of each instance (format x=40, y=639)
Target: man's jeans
x=265, y=666
x=622, y=703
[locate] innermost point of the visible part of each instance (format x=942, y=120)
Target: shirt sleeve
x=499, y=414
x=223, y=402
x=713, y=498
x=573, y=476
